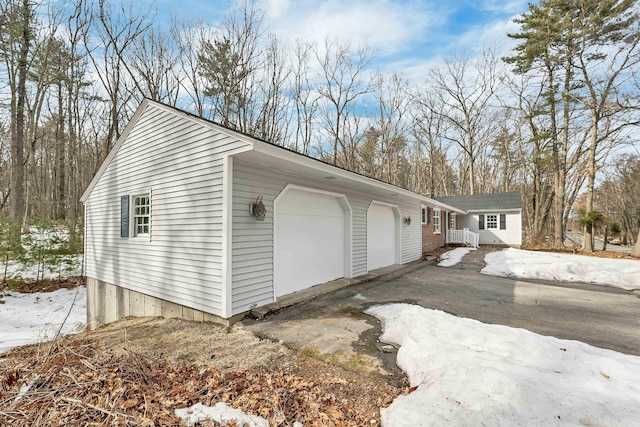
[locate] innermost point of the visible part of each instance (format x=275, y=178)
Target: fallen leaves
x=80, y=382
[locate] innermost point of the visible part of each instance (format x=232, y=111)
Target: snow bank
x=620, y=273
x=453, y=257
x=469, y=373
x=31, y=318
x=220, y=413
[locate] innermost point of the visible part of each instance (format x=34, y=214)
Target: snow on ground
x=39, y=259
x=453, y=257
x=620, y=273
x=469, y=373
x=31, y=318
x=221, y=413
x=68, y=265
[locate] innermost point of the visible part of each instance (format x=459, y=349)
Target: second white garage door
x=309, y=240
x=381, y=236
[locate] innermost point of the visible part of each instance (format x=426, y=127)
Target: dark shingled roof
x=484, y=202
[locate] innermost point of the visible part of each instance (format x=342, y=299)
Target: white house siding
x=252, y=273
x=181, y=162
x=510, y=236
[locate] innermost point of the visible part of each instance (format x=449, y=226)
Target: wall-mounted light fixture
x=257, y=209
x=407, y=220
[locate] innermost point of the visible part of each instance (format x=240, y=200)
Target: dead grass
x=46, y=285
x=138, y=371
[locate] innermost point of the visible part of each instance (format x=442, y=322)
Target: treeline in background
x=555, y=118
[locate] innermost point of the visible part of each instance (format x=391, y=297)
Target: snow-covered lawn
x=468, y=373
x=40, y=257
x=68, y=265
x=453, y=257
x=31, y=318
x=620, y=273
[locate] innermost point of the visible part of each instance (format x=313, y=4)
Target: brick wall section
x=430, y=241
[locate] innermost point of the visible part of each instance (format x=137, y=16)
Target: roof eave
x=263, y=147
x=114, y=150
x=285, y=155
x=495, y=210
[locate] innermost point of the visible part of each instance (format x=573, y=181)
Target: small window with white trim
x=436, y=221
x=141, y=215
x=425, y=215
x=491, y=222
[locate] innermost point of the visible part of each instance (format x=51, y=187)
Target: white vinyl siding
x=381, y=236
x=253, y=240
x=511, y=235
x=182, y=162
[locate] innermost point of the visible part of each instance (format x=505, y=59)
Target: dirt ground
x=138, y=371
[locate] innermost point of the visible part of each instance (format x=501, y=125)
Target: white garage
x=382, y=236
x=310, y=242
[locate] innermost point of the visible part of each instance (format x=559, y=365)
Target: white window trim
x=423, y=214
x=486, y=222
x=437, y=225
x=132, y=223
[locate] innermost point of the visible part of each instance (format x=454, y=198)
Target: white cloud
x=509, y=6
x=383, y=25
x=491, y=34
x=276, y=8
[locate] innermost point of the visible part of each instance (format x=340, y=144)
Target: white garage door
x=309, y=240
x=381, y=236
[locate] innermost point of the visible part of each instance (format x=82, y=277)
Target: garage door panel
x=309, y=241
x=306, y=203
x=381, y=236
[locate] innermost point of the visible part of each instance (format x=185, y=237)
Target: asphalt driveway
x=334, y=325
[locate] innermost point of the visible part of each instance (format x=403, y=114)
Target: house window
x=141, y=215
x=452, y=221
x=425, y=213
x=491, y=222
x=436, y=221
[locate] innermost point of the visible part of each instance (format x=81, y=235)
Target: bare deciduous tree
x=467, y=91
x=115, y=30
x=343, y=82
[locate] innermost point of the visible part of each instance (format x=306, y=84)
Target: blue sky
x=404, y=36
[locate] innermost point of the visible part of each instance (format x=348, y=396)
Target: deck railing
x=463, y=236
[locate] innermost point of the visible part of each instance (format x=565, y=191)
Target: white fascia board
x=114, y=150
x=290, y=156
x=494, y=210
x=175, y=111
x=261, y=147
x=204, y=122
x=436, y=204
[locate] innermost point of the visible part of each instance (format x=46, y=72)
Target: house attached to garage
x=496, y=218
x=189, y=219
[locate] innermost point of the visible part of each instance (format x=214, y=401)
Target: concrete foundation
x=107, y=303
